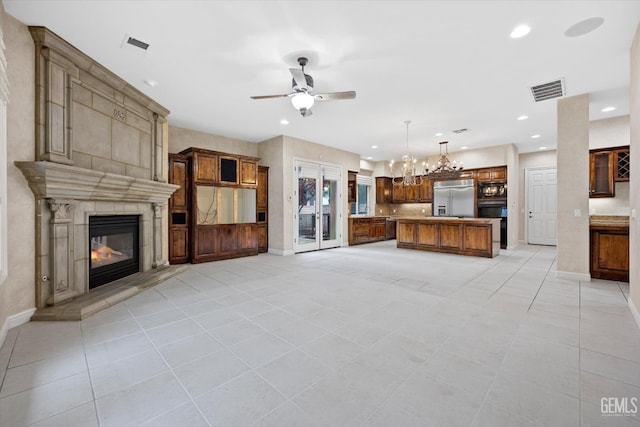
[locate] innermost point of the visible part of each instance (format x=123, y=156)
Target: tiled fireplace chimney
x=100, y=147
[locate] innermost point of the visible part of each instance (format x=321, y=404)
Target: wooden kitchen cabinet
x=601, y=173
x=495, y=174
x=383, y=189
x=426, y=190
x=397, y=194
x=609, y=250
x=622, y=167
x=606, y=167
x=367, y=230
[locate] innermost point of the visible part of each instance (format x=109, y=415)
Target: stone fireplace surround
x=100, y=150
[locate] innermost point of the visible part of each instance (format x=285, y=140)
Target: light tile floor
x=362, y=336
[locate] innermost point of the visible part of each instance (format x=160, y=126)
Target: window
x=362, y=205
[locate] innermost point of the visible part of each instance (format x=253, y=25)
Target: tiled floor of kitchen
x=362, y=336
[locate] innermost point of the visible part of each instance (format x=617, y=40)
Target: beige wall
x=612, y=132
x=538, y=159
x=271, y=154
x=573, y=184
x=181, y=139
x=634, y=202
x=17, y=293
x=305, y=150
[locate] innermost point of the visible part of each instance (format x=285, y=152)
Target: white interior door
x=541, y=210
x=318, y=219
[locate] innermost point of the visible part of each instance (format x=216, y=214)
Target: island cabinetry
x=367, y=230
x=477, y=237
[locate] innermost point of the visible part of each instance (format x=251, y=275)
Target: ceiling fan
x=302, y=96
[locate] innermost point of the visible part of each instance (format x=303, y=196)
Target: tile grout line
x=580, y=352
x=541, y=284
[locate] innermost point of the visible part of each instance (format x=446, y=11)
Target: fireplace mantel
x=51, y=180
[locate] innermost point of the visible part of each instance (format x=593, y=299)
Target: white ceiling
x=444, y=65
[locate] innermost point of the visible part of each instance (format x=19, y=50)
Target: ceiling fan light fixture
x=302, y=101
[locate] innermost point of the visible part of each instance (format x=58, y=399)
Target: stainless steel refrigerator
x=453, y=198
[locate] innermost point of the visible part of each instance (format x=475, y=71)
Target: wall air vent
x=459, y=131
x=550, y=90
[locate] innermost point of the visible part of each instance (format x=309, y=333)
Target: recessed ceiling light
x=523, y=117
x=520, y=31
x=607, y=109
x=542, y=148
x=584, y=27
x=374, y=146
x=151, y=83
x=284, y=122
x=464, y=147
x=535, y=136
x=369, y=158
x=439, y=134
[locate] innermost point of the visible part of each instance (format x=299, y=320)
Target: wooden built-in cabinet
x=262, y=208
x=179, y=212
x=609, y=250
x=606, y=167
x=213, y=215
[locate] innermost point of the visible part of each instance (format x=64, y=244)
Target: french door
x=317, y=219
x=541, y=196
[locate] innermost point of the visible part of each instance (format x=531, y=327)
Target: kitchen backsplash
x=404, y=209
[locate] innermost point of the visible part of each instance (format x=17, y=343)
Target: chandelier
x=407, y=174
x=445, y=168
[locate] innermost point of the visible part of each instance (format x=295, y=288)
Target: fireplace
x=114, y=248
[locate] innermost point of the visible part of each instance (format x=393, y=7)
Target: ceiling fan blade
x=334, y=96
x=299, y=78
x=270, y=96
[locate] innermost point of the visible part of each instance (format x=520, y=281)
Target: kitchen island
x=462, y=236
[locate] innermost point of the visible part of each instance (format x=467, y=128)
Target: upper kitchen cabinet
x=426, y=190
x=383, y=189
x=352, y=187
x=607, y=166
x=622, y=168
x=497, y=174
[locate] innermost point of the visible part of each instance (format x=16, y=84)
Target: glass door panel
x=317, y=220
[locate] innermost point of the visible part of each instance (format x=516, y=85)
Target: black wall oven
x=495, y=209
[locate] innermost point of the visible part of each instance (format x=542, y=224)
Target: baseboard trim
x=281, y=252
x=568, y=275
x=634, y=312
x=13, y=321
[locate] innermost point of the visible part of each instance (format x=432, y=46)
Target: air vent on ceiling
x=459, y=131
x=550, y=90
x=137, y=43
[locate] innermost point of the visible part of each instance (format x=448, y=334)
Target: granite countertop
x=610, y=220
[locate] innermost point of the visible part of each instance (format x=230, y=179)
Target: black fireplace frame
x=111, y=225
